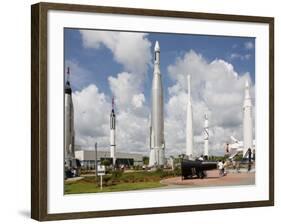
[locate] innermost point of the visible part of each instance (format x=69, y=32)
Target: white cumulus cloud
x=132, y=50
x=91, y=117
x=217, y=90
x=92, y=112
x=249, y=45
x=138, y=100
x=235, y=56
x=132, y=112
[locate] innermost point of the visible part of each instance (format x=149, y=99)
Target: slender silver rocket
x=247, y=120
x=189, y=126
x=69, y=134
x=206, y=136
x=157, y=142
x=112, y=134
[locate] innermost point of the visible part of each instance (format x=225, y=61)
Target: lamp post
x=96, y=160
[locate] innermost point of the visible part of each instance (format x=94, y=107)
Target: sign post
x=101, y=172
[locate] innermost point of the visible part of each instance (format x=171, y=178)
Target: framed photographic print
x=139, y=111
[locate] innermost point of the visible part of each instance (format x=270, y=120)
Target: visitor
x=238, y=166
x=223, y=168
x=249, y=159
x=74, y=172
x=233, y=164
x=220, y=167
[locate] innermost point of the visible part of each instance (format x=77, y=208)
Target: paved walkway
x=213, y=179
x=73, y=179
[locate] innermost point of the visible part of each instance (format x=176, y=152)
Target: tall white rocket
x=157, y=142
x=247, y=120
x=69, y=134
x=189, y=126
x=112, y=134
x=206, y=136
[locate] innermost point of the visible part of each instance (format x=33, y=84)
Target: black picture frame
x=39, y=108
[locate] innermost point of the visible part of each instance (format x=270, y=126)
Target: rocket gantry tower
x=69, y=136
x=189, y=127
x=247, y=120
x=157, y=142
x=112, y=134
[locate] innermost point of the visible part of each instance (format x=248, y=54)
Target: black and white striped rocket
x=157, y=142
x=206, y=136
x=69, y=133
x=112, y=134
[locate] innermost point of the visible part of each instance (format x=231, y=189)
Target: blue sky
x=101, y=64
x=104, y=64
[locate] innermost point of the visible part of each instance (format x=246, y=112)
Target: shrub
x=177, y=171
x=116, y=174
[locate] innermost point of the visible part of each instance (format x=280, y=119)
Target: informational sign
x=101, y=170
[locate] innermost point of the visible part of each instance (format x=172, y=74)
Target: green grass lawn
x=82, y=187
x=118, y=181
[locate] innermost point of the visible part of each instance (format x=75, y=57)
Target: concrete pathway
x=213, y=179
x=73, y=179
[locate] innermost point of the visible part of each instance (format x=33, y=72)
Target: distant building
x=88, y=157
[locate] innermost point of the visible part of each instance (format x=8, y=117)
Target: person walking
x=233, y=164
x=220, y=167
x=249, y=159
x=223, y=168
